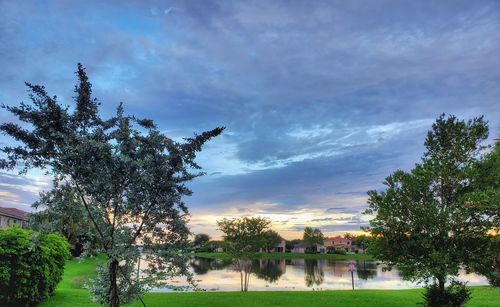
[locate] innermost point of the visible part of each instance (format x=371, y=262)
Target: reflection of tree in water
x=203, y=265
x=366, y=269
x=313, y=272
x=244, y=266
x=268, y=270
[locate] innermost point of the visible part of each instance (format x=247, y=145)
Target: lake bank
x=70, y=293
x=279, y=256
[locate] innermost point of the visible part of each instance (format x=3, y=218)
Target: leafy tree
x=290, y=244
x=244, y=237
x=349, y=235
x=128, y=175
x=312, y=237
x=64, y=213
x=272, y=239
x=200, y=239
x=485, y=197
x=362, y=241
x=421, y=223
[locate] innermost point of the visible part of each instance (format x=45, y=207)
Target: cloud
x=321, y=100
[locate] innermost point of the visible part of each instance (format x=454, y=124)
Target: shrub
x=340, y=251
x=31, y=265
x=455, y=295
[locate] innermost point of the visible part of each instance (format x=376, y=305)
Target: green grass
x=69, y=293
x=290, y=256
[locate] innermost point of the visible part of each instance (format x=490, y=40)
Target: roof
x=15, y=213
x=338, y=240
x=300, y=245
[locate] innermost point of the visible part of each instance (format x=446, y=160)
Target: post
x=352, y=278
x=351, y=267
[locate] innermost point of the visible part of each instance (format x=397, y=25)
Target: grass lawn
x=291, y=256
x=69, y=293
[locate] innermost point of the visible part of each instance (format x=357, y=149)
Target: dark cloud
x=321, y=100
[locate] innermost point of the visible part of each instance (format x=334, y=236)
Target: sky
x=321, y=100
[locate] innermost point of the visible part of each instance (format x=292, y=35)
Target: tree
x=349, y=236
x=362, y=241
x=312, y=237
x=485, y=197
x=129, y=176
x=244, y=237
x=290, y=244
x=421, y=223
x=200, y=239
x=64, y=213
x=272, y=239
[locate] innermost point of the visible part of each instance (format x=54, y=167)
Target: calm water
x=300, y=274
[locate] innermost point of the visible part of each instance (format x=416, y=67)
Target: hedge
x=31, y=265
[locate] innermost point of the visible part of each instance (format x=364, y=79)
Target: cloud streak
x=321, y=100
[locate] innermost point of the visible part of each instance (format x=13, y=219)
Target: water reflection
x=300, y=274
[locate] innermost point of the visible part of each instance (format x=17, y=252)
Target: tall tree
x=362, y=241
x=421, y=223
x=200, y=239
x=484, y=198
x=272, y=239
x=63, y=212
x=312, y=237
x=129, y=176
x=244, y=237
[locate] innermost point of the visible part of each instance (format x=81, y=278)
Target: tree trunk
x=441, y=281
x=114, y=300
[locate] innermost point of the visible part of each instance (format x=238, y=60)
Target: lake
x=301, y=274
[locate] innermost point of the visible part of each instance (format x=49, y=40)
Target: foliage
x=455, y=295
x=31, y=265
x=129, y=176
x=200, y=239
x=64, y=213
x=311, y=237
x=243, y=237
x=421, y=223
x=211, y=246
x=272, y=239
x=362, y=241
x=290, y=244
x=485, y=197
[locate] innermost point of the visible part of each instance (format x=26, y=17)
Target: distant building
x=300, y=248
x=280, y=248
x=339, y=242
x=13, y=216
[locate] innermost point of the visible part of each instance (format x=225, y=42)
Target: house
x=280, y=248
x=13, y=216
x=338, y=242
x=300, y=248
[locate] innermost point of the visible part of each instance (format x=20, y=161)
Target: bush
x=31, y=265
x=455, y=295
x=340, y=251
